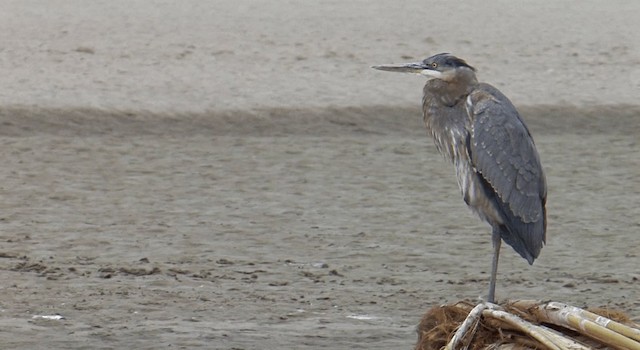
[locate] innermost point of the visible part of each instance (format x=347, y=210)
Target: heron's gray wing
x=503, y=153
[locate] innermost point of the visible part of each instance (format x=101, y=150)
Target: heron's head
x=443, y=66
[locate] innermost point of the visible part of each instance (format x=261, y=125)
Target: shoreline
x=329, y=121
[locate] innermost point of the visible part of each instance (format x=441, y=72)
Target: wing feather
x=503, y=152
x=504, y=155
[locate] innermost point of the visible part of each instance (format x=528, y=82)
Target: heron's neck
x=443, y=107
x=453, y=89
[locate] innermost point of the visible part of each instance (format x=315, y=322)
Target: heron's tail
x=527, y=242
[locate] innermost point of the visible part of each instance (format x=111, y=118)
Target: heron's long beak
x=414, y=67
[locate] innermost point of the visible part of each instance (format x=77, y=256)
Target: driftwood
x=525, y=324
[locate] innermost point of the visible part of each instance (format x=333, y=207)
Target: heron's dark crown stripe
x=450, y=60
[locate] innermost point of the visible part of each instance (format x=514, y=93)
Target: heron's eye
x=434, y=65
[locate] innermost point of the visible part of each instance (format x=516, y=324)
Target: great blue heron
x=497, y=165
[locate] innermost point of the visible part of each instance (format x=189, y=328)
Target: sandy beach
x=233, y=175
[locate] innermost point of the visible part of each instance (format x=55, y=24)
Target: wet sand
x=342, y=239
x=167, y=206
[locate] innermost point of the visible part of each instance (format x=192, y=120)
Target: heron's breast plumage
x=450, y=126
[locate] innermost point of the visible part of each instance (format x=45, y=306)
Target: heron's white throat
x=431, y=73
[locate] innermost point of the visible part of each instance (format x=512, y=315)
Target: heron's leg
x=495, y=238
